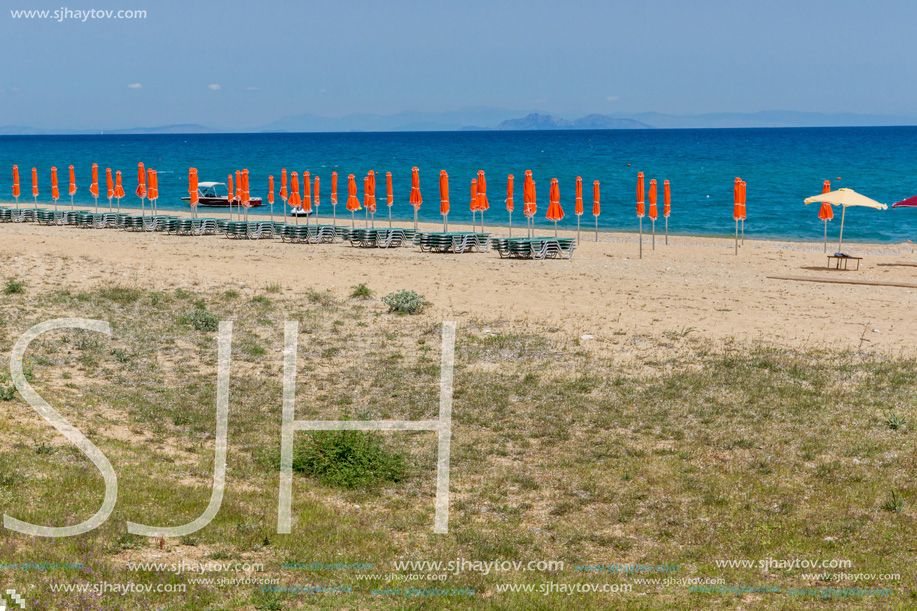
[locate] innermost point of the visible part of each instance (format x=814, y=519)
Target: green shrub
x=202, y=320
x=405, y=302
x=14, y=287
x=361, y=291
x=349, y=459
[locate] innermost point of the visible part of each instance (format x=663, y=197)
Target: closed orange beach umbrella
x=474, y=199
x=334, y=197
x=35, y=184
x=246, y=198
x=390, y=196
x=444, y=198
x=192, y=189
x=306, y=194
x=315, y=198
x=109, y=185
x=270, y=194
x=555, y=212
x=294, y=201
x=141, y=182
x=94, y=185
x=666, y=207
x=509, y=202
x=353, y=204
x=641, y=207
x=578, y=204
x=654, y=212
x=371, y=194
x=529, y=207
x=283, y=185
x=238, y=194
x=119, y=188
x=229, y=187
x=366, y=198
x=416, y=199
x=55, y=192
x=72, y=188
x=737, y=212
x=596, y=207
x=16, y=184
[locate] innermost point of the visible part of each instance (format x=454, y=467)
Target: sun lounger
x=251, y=230
x=381, y=238
x=535, y=248
x=454, y=242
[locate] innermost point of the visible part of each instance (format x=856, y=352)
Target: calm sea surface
x=780, y=166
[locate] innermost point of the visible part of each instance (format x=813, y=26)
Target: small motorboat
x=216, y=195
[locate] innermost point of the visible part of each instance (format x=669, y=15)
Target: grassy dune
x=649, y=450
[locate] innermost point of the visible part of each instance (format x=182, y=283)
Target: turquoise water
x=780, y=166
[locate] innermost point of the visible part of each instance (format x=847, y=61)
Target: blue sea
x=780, y=166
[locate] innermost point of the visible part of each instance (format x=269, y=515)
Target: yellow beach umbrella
x=845, y=198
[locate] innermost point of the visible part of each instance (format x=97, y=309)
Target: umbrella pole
x=390, y=216
x=840, y=240
x=510, y=224
x=272, y=210
x=365, y=217
x=641, y=237
x=666, y=231
x=97, y=205
x=654, y=234
x=415, y=219
x=353, y=220
x=596, y=229
x=555, y=228
x=482, y=221
x=737, y=236
x=577, y=229
x=334, y=213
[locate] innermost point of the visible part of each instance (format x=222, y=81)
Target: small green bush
x=349, y=459
x=14, y=287
x=405, y=302
x=202, y=320
x=361, y=291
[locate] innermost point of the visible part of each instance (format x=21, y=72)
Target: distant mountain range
x=486, y=119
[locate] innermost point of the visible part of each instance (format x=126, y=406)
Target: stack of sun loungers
x=535, y=248
x=95, y=220
x=17, y=215
x=250, y=230
x=454, y=242
x=56, y=217
x=309, y=234
x=193, y=226
x=392, y=237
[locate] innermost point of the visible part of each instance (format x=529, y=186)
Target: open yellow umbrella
x=845, y=198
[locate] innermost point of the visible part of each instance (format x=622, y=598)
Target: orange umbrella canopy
x=94, y=187
x=306, y=192
x=294, y=200
x=141, y=181
x=443, y=192
x=654, y=213
x=192, y=186
x=474, y=195
x=238, y=195
x=366, y=195
x=245, y=196
x=738, y=208
x=316, y=192
x=555, y=212
x=270, y=189
x=109, y=184
x=231, y=195
x=15, y=181
x=371, y=183
x=596, y=207
x=388, y=186
x=641, y=207
x=483, y=204
x=34, y=182
x=742, y=195
x=416, y=199
x=153, y=181
x=72, y=182
x=509, y=193
x=55, y=193
x=149, y=184
x=353, y=204
x=667, y=198
x=334, y=188
x=283, y=184
x=578, y=206
x=529, y=207
x=826, y=212
x=119, y=188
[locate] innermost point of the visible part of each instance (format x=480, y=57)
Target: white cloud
x=611, y=98
x=252, y=88
x=214, y=86
x=134, y=86
x=323, y=91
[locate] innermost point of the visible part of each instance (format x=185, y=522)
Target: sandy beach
x=694, y=285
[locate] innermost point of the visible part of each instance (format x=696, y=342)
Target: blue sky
x=238, y=64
